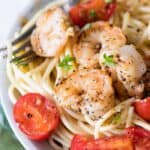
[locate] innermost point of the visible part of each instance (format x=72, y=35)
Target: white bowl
x=8, y=109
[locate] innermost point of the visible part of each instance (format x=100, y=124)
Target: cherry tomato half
x=140, y=137
x=142, y=108
x=92, y=10
x=81, y=142
x=37, y=116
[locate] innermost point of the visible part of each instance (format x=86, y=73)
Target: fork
x=21, y=47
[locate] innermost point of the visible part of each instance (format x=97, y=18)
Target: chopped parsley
x=93, y=14
x=108, y=1
x=117, y=118
x=108, y=60
x=67, y=63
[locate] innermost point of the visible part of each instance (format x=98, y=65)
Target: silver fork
x=22, y=41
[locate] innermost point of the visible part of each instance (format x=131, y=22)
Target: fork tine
x=23, y=35
x=20, y=37
x=21, y=47
x=27, y=60
x=22, y=41
x=26, y=54
x=28, y=28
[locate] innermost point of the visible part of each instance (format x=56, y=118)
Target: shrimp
x=100, y=38
x=88, y=91
x=129, y=68
x=92, y=39
x=52, y=32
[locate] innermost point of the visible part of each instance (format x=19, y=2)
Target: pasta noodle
x=133, y=17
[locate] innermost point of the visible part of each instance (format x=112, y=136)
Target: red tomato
x=80, y=142
x=142, y=108
x=109, y=10
x=92, y=10
x=140, y=137
x=37, y=116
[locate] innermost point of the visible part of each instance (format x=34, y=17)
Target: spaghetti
x=133, y=17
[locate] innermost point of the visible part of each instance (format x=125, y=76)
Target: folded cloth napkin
x=7, y=139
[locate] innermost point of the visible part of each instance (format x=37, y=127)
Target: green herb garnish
x=108, y=60
x=93, y=14
x=117, y=118
x=67, y=63
x=108, y=1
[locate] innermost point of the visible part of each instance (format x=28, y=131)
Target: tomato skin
x=110, y=9
x=37, y=116
x=111, y=143
x=81, y=142
x=142, y=108
x=137, y=132
x=80, y=13
x=135, y=138
x=140, y=137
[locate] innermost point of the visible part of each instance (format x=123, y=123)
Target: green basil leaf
x=108, y=60
x=67, y=63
